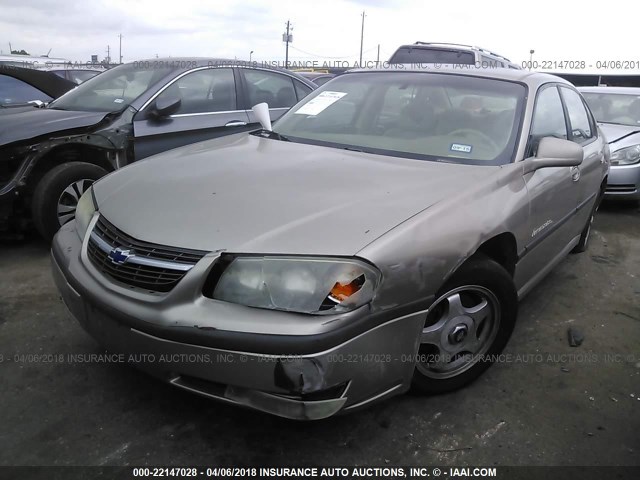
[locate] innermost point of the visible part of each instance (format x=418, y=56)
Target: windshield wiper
x=264, y=133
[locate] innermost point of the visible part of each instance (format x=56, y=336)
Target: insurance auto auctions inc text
x=366, y=472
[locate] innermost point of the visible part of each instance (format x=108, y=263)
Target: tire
x=61, y=187
x=466, y=334
x=583, y=243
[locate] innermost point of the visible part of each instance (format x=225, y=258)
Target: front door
x=208, y=109
x=553, y=193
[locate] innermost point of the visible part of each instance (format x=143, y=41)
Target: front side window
x=15, y=92
x=113, y=90
x=427, y=116
x=622, y=109
x=548, y=115
x=202, y=91
x=578, y=116
x=275, y=89
x=548, y=118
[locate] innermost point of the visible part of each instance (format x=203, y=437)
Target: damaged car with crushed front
x=376, y=238
x=49, y=156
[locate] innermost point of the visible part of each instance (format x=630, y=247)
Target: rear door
x=553, y=194
x=279, y=90
x=208, y=109
x=583, y=131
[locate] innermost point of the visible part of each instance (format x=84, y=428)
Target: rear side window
x=301, y=89
x=488, y=62
x=275, y=89
x=581, y=129
x=322, y=80
x=432, y=55
x=202, y=91
x=14, y=91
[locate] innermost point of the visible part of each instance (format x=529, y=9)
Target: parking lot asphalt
x=546, y=403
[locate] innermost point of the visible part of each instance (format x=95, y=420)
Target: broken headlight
x=84, y=211
x=298, y=284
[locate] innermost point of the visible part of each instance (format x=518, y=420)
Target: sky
x=323, y=30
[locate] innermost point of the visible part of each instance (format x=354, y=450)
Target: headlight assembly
x=84, y=211
x=626, y=156
x=298, y=284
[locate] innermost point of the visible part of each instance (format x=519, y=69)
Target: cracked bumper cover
x=297, y=376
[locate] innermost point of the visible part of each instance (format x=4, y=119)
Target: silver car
x=377, y=238
x=617, y=110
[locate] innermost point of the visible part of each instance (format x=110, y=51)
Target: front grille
x=156, y=268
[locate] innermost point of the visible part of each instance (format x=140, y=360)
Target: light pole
x=531, y=52
x=250, y=53
x=361, y=38
x=120, y=37
x=287, y=38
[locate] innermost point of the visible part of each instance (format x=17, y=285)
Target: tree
x=19, y=52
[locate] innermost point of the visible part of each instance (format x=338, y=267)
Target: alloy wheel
x=68, y=201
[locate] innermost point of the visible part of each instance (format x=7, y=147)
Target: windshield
x=111, y=91
x=438, y=117
x=432, y=55
x=623, y=109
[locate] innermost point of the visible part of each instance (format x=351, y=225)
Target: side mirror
x=164, y=107
x=555, y=152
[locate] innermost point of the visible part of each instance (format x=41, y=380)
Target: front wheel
x=56, y=196
x=466, y=327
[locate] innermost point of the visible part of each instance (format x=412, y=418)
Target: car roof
x=533, y=79
x=454, y=46
x=71, y=68
x=618, y=90
x=315, y=75
x=47, y=82
x=187, y=63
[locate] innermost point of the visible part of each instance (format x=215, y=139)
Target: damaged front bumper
x=303, y=376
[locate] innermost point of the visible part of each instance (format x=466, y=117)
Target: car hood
x=248, y=194
x=620, y=136
x=32, y=123
x=13, y=109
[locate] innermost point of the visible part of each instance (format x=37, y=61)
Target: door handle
x=575, y=173
x=236, y=123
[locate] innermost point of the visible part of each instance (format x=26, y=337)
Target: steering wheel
x=484, y=138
